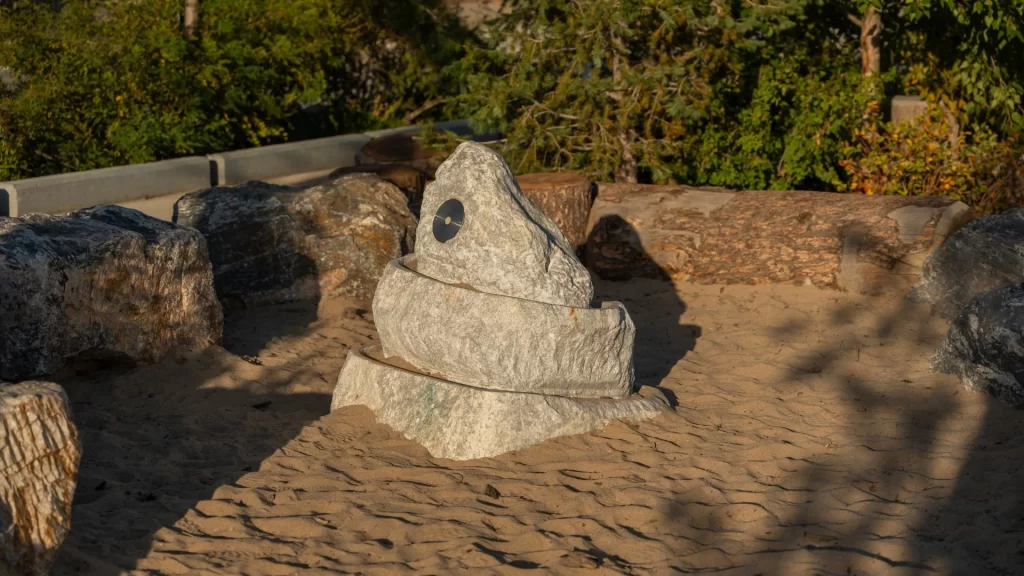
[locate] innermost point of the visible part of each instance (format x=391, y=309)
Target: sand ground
x=809, y=438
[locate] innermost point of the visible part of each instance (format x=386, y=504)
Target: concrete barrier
x=907, y=109
x=278, y=160
x=66, y=192
x=460, y=127
x=150, y=186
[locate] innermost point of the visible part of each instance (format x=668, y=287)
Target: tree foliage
x=106, y=82
x=737, y=93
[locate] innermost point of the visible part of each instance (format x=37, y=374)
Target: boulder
x=985, y=345
x=712, y=236
x=461, y=422
x=271, y=243
x=495, y=240
x=985, y=254
x=409, y=179
x=401, y=148
x=544, y=349
x=563, y=197
x=39, y=456
x=105, y=280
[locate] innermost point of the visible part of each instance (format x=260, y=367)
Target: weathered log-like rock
x=538, y=348
x=985, y=345
x=563, y=197
x=462, y=422
x=104, y=280
x=404, y=149
x=479, y=229
x=986, y=254
x=39, y=456
x=409, y=179
x=846, y=241
x=271, y=243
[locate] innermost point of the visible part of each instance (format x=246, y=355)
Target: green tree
x=107, y=82
x=704, y=91
x=745, y=94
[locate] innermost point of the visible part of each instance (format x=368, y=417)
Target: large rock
x=271, y=243
x=461, y=422
x=563, y=197
x=401, y=148
x=985, y=345
x=488, y=339
x=39, y=456
x=503, y=343
x=986, y=254
x=104, y=280
x=409, y=179
x=505, y=244
x=711, y=236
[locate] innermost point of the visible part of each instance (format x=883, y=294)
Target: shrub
x=107, y=82
x=754, y=94
x=929, y=158
x=704, y=91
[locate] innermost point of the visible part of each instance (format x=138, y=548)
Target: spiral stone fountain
x=489, y=341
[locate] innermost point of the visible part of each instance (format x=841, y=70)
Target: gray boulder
x=985, y=345
x=500, y=243
x=503, y=343
x=39, y=456
x=101, y=281
x=987, y=253
x=272, y=244
x=461, y=422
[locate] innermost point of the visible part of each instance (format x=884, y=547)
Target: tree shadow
x=650, y=298
x=978, y=529
x=159, y=439
x=892, y=466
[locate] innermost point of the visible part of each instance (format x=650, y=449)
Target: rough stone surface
x=272, y=244
x=401, y=148
x=461, y=422
x=985, y=254
x=506, y=245
x=712, y=236
x=39, y=457
x=563, y=197
x=985, y=345
x=104, y=280
x=409, y=179
x=502, y=343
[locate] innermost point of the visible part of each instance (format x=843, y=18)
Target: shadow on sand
x=920, y=479
x=159, y=439
x=661, y=341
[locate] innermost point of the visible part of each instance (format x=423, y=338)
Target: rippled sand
x=809, y=438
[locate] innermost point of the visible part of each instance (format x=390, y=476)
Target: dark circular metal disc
x=448, y=220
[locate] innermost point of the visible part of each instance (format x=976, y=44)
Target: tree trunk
x=627, y=171
x=871, y=43
x=191, y=17
x=39, y=456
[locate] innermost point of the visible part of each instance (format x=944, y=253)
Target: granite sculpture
x=489, y=341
